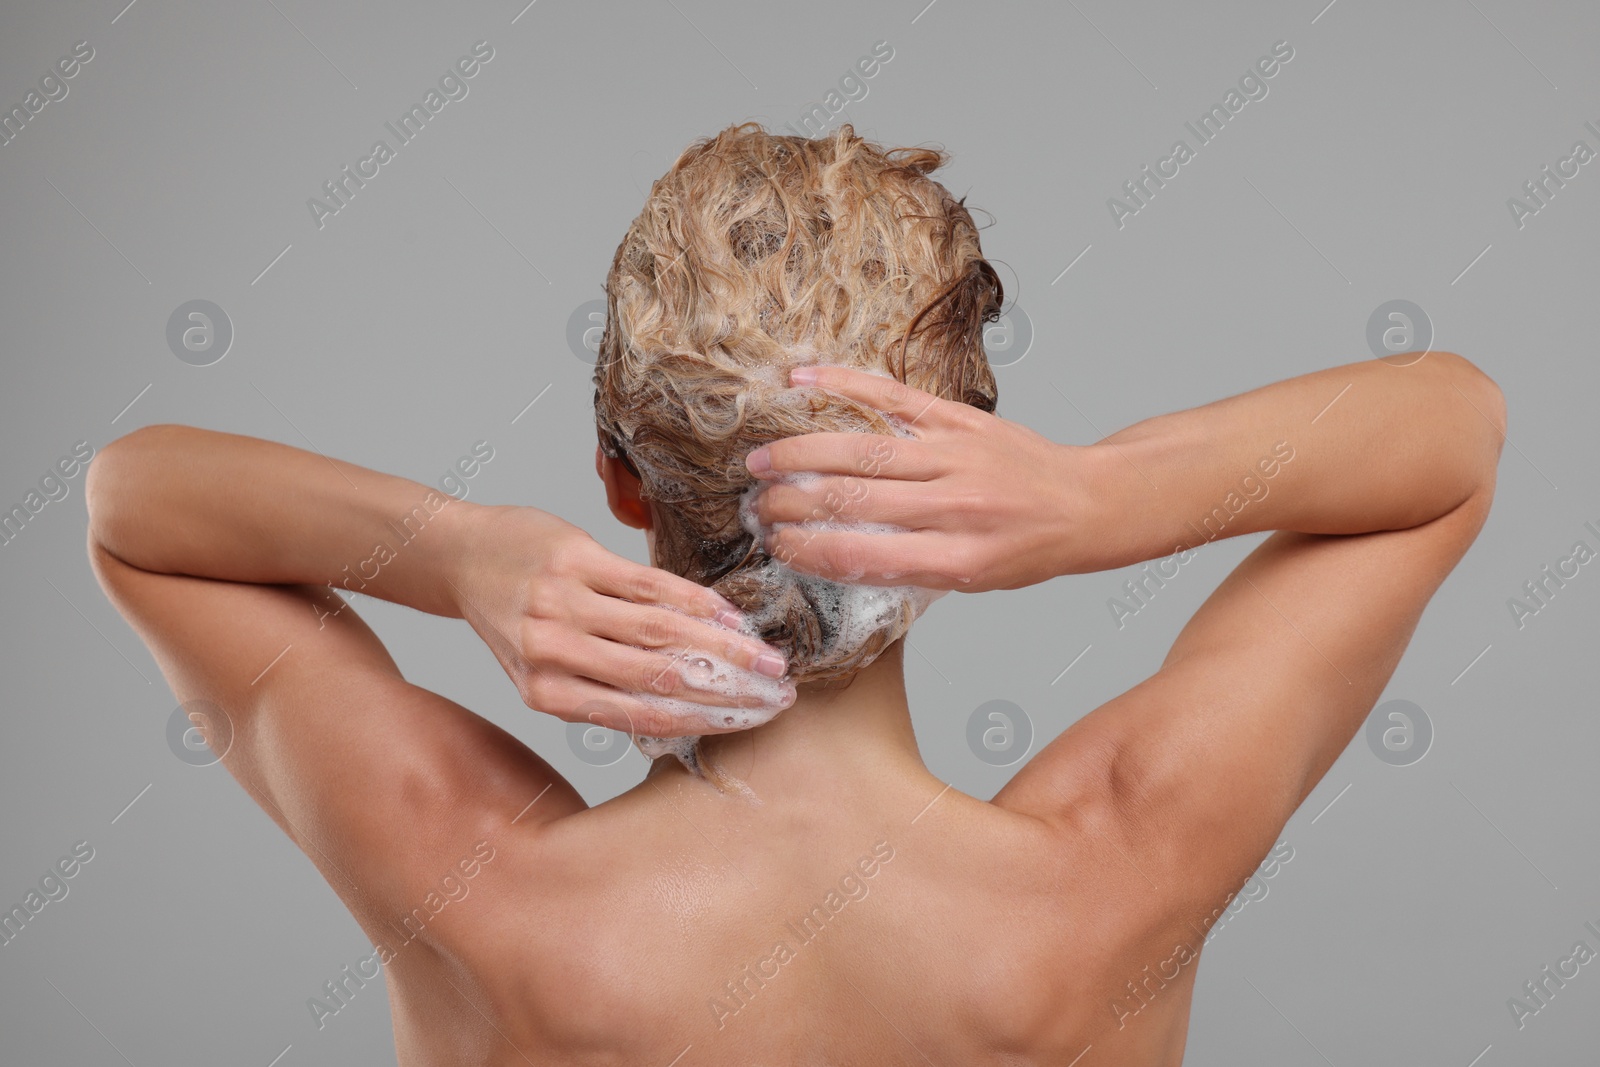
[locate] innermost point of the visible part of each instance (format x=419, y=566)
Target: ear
x=622, y=491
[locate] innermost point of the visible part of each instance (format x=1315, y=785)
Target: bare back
x=674, y=925
x=917, y=925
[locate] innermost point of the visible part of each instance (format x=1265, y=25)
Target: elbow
x=1485, y=396
x=97, y=482
x=110, y=477
x=101, y=480
x=1481, y=391
x=1490, y=399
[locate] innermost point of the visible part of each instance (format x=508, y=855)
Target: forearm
x=1350, y=449
x=182, y=500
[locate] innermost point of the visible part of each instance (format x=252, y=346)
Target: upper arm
x=384, y=785
x=1193, y=772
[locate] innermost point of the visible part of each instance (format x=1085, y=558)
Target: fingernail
x=730, y=618
x=758, y=462
x=771, y=665
x=803, y=376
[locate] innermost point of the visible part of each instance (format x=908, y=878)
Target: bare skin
x=917, y=924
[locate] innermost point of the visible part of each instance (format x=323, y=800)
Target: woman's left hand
x=983, y=503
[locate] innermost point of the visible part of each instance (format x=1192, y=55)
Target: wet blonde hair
x=756, y=253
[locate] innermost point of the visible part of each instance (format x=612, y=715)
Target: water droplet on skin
x=700, y=669
x=727, y=720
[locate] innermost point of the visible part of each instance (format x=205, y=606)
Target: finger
x=652, y=627
x=651, y=585
x=888, y=395
x=833, y=499
x=685, y=718
x=863, y=454
x=916, y=558
x=583, y=700
x=685, y=675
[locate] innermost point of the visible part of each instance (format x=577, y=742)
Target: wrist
x=1103, y=490
x=461, y=526
x=1068, y=521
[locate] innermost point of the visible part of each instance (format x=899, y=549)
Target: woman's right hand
x=582, y=632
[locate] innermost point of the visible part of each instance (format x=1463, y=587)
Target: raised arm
x=224, y=553
x=993, y=505
x=1347, y=450
x=1377, y=477
x=1380, y=497
x=571, y=623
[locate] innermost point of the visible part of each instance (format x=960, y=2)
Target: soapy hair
x=756, y=253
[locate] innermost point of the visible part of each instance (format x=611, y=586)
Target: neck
x=834, y=737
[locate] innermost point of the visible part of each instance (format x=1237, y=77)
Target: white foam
x=804, y=480
x=708, y=672
x=682, y=747
x=849, y=612
x=713, y=674
x=688, y=753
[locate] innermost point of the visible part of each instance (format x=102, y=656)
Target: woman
x=795, y=335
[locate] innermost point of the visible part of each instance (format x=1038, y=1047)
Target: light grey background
x=428, y=313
